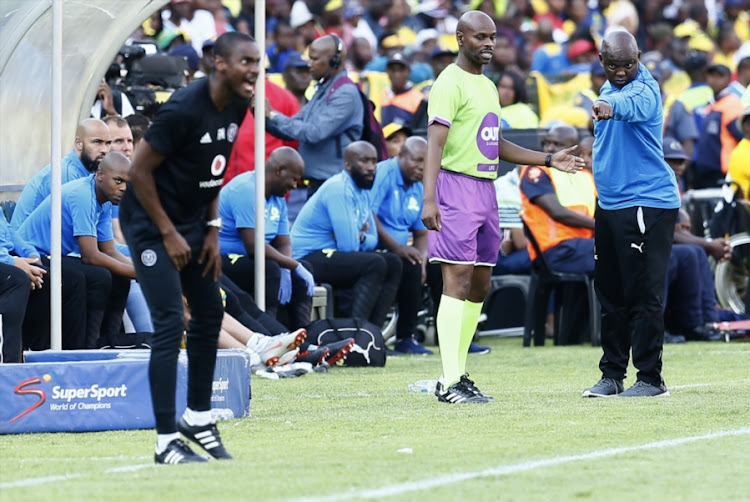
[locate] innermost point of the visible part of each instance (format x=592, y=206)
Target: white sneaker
x=270, y=348
x=288, y=357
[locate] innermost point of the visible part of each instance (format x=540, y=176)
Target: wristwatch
x=548, y=160
x=216, y=222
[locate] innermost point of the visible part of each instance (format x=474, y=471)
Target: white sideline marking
x=39, y=481
x=693, y=385
x=425, y=484
x=65, y=477
x=129, y=468
x=92, y=459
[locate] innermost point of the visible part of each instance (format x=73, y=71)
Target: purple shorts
x=470, y=232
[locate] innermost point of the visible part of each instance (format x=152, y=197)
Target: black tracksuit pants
x=163, y=287
x=373, y=277
x=632, y=256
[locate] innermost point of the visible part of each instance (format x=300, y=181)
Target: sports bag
x=369, y=345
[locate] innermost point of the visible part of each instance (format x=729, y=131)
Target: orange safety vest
x=406, y=104
x=576, y=192
x=730, y=107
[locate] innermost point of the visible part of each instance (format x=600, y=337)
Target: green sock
x=469, y=323
x=449, y=316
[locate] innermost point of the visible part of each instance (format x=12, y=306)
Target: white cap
x=423, y=36
x=299, y=15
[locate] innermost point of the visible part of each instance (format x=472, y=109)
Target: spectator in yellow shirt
x=739, y=162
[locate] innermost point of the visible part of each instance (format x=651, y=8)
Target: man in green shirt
x=460, y=209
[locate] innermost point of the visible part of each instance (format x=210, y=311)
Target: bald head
x=91, y=126
x=321, y=52
x=474, y=20
x=359, y=148
x=411, y=159
x=114, y=161
x=475, y=34
x=559, y=137
x=619, y=41
x=285, y=156
x=360, y=159
x=112, y=178
x=92, y=142
x=414, y=144
x=620, y=56
x=284, y=169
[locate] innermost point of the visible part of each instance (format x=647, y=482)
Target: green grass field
x=357, y=434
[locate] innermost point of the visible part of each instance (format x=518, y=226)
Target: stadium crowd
x=347, y=213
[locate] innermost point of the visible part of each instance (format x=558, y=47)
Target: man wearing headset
x=330, y=121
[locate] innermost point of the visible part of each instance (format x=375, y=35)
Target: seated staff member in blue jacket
x=92, y=143
x=87, y=243
x=22, y=275
x=330, y=121
x=170, y=221
x=335, y=232
x=397, y=203
x=237, y=237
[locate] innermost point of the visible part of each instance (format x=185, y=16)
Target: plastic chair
x=543, y=281
x=506, y=305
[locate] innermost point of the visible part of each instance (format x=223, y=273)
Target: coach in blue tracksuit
x=634, y=223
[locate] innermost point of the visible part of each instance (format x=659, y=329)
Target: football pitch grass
x=360, y=434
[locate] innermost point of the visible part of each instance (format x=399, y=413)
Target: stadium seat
x=505, y=305
x=543, y=281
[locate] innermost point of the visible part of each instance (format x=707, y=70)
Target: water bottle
x=423, y=386
x=222, y=414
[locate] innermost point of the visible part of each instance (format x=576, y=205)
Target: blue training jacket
x=629, y=165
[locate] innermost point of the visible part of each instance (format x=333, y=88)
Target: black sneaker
x=469, y=384
x=177, y=452
x=338, y=350
x=313, y=356
x=606, y=387
x=643, y=389
x=205, y=436
x=458, y=393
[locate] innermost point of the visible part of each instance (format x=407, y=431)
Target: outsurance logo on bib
x=488, y=136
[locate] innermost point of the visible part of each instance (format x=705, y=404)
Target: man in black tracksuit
x=170, y=221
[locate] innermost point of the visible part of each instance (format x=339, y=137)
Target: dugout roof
x=93, y=32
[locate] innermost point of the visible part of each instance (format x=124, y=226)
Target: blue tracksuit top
x=82, y=216
x=237, y=211
x=39, y=187
x=398, y=207
x=11, y=242
x=324, y=127
x=629, y=166
x=333, y=217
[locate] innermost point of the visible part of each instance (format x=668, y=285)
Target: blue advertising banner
x=58, y=393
